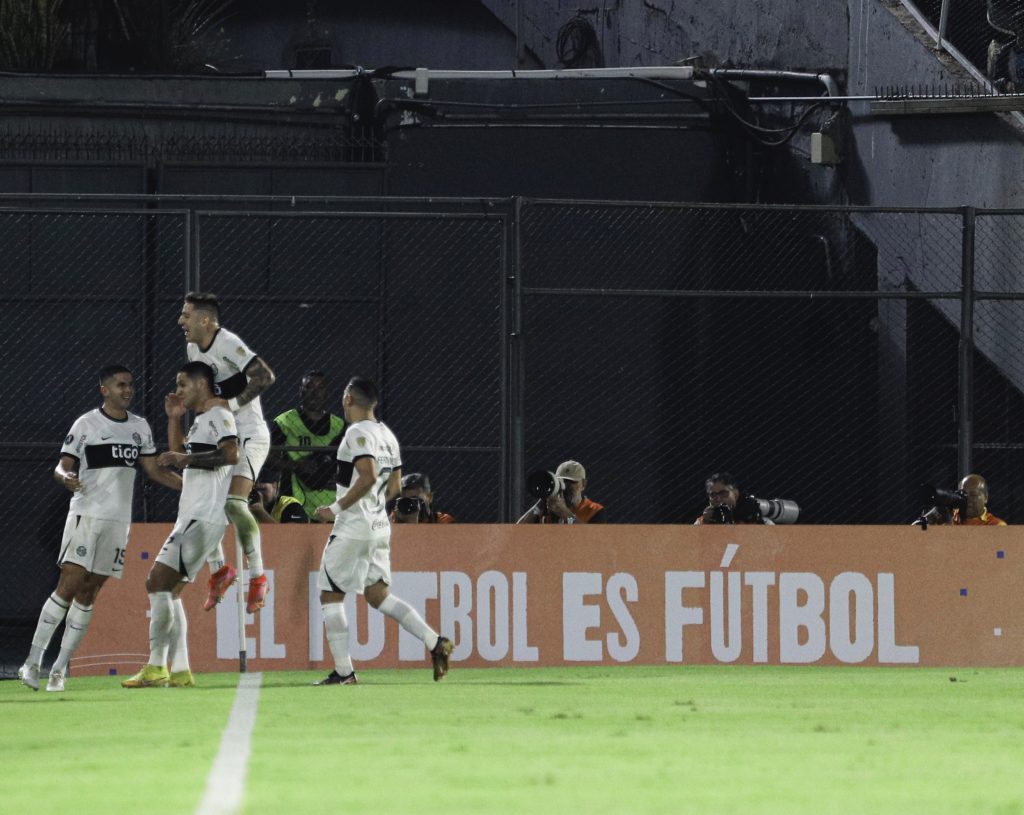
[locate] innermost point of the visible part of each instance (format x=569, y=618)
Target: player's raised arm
x=174, y=406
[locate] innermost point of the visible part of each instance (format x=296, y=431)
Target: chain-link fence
x=837, y=357
x=983, y=33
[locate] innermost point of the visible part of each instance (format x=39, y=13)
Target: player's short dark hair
x=198, y=370
x=415, y=481
x=204, y=301
x=723, y=478
x=107, y=371
x=364, y=392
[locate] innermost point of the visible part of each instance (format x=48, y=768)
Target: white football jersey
x=228, y=355
x=203, y=492
x=106, y=450
x=367, y=518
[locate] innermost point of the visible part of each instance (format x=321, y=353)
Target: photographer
x=269, y=507
x=727, y=504
x=416, y=503
x=566, y=503
x=968, y=506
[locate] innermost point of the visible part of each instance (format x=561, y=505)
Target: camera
x=408, y=506
x=721, y=515
x=544, y=484
x=946, y=499
x=753, y=510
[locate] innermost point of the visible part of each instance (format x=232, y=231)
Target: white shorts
x=97, y=546
x=190, y=543
x=350, y=565
x=252, y=455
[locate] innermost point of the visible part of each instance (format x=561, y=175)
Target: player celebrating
x=357, y=556
x=207, y=457
x=240, y=376
x=97, y=465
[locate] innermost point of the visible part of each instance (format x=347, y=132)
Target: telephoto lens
x=541, y=484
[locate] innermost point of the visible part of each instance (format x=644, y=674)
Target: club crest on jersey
x=70, y=438
x=137, y=439
x=81, y=551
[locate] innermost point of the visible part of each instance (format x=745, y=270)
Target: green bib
x=296, y=434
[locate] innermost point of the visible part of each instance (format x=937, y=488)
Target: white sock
x=336, y=623
x=161, y=611
x=248, y=531
x=75, y=626
x=216, y=559
x=53, y=612
x=178, y=651
x=406, y=616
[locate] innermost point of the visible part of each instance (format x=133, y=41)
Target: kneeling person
x=357, y=557
x=206, y=457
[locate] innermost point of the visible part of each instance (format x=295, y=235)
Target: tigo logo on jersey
x=124, y=452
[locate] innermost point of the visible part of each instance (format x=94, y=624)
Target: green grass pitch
x=573, y=740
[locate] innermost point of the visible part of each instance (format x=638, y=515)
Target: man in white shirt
x=97, y=466
x=206, y=456
x=240, y=376
x=357, y=556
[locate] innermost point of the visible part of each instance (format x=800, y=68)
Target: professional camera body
x=408, y=506
x=753, y=510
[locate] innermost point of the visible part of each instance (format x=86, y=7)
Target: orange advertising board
x=648, y=595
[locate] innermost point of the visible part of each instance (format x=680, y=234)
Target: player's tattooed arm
x=259, y=377
x=226, y=453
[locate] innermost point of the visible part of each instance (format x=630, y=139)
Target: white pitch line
x=225, y=785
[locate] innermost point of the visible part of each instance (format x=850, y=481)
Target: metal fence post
x=965, y=379
x=517, y=367
x=943, y=23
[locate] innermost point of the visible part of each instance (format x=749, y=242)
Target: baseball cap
x=414, y=481
x=571, y=471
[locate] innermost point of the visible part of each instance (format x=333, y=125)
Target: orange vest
x=985, y=519
x=586, y=509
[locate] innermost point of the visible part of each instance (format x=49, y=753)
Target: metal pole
x=943, y=21
x=243, y=662
x=965, y=380
x=518, y=367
